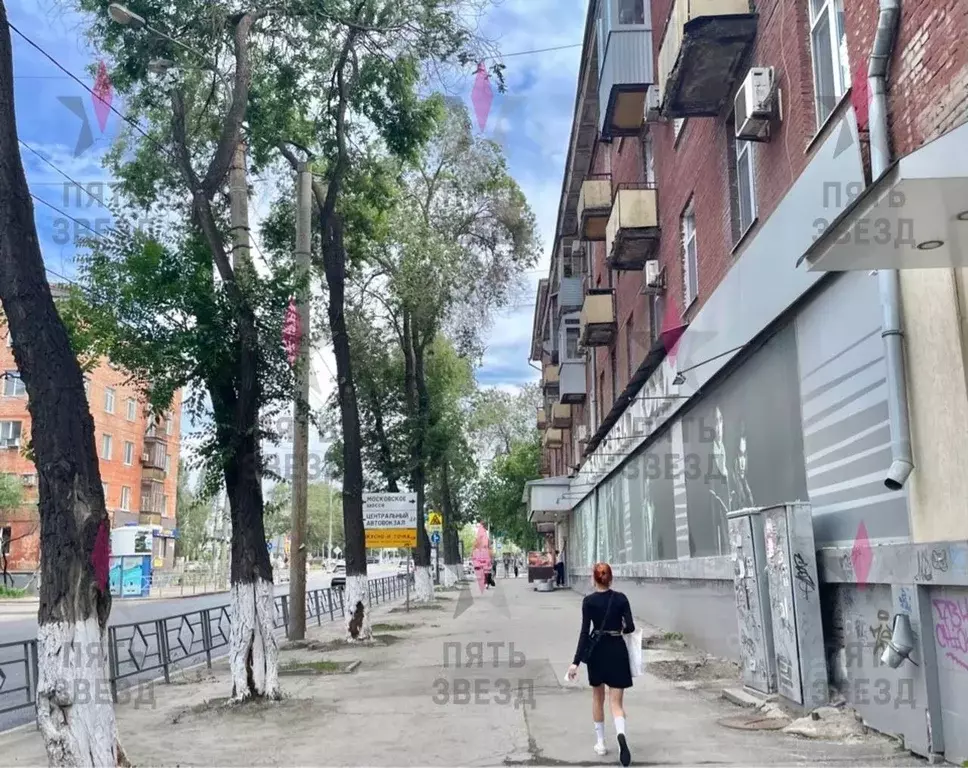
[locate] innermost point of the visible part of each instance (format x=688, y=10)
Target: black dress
x=609, y=664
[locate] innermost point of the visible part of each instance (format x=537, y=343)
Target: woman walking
x=605, y=616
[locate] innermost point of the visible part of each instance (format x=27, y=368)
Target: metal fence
x=145, y=650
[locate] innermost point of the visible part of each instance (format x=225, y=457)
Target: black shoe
x=623, y=750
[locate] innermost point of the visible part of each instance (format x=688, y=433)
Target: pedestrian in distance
x=515, y=568
x=605, y=616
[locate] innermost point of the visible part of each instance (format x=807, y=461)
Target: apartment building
x=757, y=289
x=138, y=459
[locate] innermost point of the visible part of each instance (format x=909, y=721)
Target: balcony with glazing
x=598, y=323
x=624, y=65
x=703, y=51
x=153, y=455
x=594, y=206
x=632, y=234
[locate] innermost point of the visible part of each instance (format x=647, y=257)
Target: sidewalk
x=406, y=705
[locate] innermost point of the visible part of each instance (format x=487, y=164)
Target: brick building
x=138, y=460
x=756, y=297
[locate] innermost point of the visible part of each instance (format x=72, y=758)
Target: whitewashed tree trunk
x=75, y=711
x=423, y=584
x=253, y=649
x=357, y=608
x=450, y=575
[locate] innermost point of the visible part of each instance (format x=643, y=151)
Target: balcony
x=706, y=43
x=561, y=416
x=569, y=294
x=549, y=377
x=572, y=387
x=148, y=518
x=594, y=206
x=625, y=65
x=552, y=438
x=632, y=234
x=598, y=325
x=542, y=419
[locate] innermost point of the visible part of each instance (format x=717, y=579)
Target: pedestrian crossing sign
x=435, y=521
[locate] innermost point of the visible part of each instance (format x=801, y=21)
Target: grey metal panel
x=628, y=61
x=679, y=493
x=569, y=293
x=694, y=569
x=752, y=602
x=937, y=564
x=950, y=622
x=792, y=569
x=846, y=432
x=571, y=377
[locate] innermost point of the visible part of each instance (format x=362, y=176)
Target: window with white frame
x=9, y=339
x=649, y=156
x=13, y=385
x=87, y=387
x=125, y=498
x=170, y=424
x=828, y=49
x=132, y=409
x=9, y=433
x=107, y=444
x=109, y=399
x=690, y=256
x=572, y=337
x=167, y=463
x=104, y=489
x=745, y=185
x=128, y=453
x=631, y=11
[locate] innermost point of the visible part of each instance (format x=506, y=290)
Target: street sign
x=435, y=538
x=435, y=524
x=390, y=520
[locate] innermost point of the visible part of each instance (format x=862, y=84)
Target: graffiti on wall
x=881, y=634
x=951, y=628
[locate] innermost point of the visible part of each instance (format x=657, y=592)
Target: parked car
x=403, y=569
x=339, y=576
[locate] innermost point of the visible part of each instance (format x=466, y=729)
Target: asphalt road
x=18, y=630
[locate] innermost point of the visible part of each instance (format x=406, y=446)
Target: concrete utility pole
x=300, y=440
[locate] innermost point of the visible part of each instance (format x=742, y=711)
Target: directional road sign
x=435, y=538
x=390, y=520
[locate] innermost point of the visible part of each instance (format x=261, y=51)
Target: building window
x=601, y=397
x=631, y=11
x=828, y=48
x=657, y=310
x=13, y=385
x=169, y=424
x=677, y=125
x=109, y=400
x=164, y=506
x=613, y=365
x=9, y=434
x=104, y=490
x=572, y=336
x=745, y=185
x=132, y=409
x=167, y=463
x=107, y=443
x=690, y=257
x=9, y=339
x=128, y=453
x=87, y=387
x=649, y=155
x=125, y=498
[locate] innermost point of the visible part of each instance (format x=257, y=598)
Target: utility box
x=791, y=566
x=748, y=548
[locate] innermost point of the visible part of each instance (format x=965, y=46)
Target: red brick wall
x=114, y=473
x=928, y=76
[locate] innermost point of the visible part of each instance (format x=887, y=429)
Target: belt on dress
x=613, y=633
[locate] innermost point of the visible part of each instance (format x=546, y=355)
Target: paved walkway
x=407, y=704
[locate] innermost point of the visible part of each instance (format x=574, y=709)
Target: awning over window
x=915, y=216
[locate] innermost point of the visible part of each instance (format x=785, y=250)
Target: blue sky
x=531, y=120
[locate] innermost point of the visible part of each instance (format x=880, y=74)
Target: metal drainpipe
x=888, y=279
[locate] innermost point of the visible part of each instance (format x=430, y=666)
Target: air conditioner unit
x=756, y=105
x=653, y=279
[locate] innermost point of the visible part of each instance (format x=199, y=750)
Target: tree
x=498, y=494
x=75, y=599
x=461, y=233
x=500, y=418
x=11, y=498
x=323, y=506
x=192, y=512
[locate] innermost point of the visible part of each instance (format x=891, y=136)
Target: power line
x=534, y=50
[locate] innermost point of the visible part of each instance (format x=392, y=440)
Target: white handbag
x=633, y=641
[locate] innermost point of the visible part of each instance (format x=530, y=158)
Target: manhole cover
x=754, y=723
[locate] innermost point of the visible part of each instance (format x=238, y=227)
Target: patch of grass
x=672, y=636
x=316, y=666
x=391, y=627
x=12, y=592
x=418, y=607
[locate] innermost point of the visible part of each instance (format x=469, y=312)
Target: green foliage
x=323, y=502
x=192, y=511
x=499, y=492
x=12, y=592
x=11, y=492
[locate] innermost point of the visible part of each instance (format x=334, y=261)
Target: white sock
x=600, y=731
x=619, y=726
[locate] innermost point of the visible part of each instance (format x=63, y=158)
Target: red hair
x=602, y=573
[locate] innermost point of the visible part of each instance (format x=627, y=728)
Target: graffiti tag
x=904, y=600
x=805, y=581
x=939, y=560
x=881, y=634
x=924, y=567
x=784, y=671
x=951, y=627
